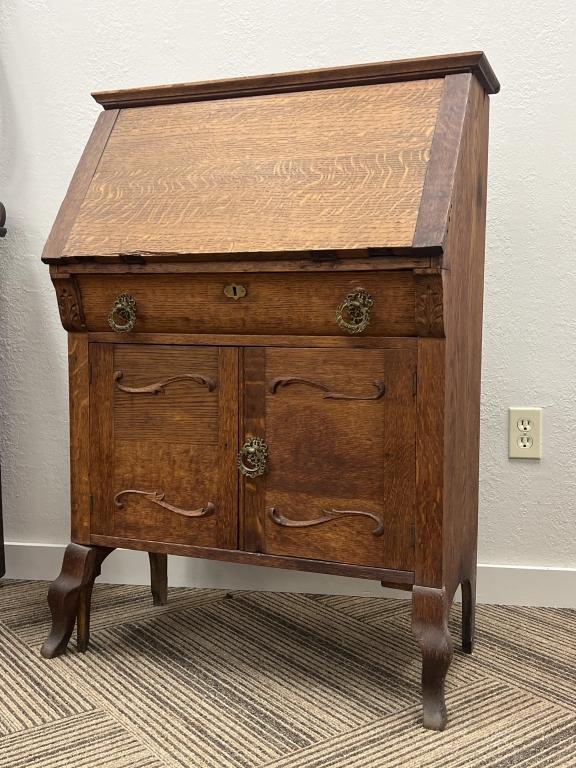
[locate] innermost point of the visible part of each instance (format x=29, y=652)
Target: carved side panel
x=69, y=302
x=428, y=306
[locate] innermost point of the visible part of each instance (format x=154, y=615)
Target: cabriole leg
x=430, y=625
x=69, y=597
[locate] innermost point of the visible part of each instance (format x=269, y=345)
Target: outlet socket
x=525, y=433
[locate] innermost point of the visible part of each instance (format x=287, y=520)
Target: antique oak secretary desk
x=272, y=288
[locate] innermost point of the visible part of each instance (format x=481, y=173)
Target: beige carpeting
x=278, y=680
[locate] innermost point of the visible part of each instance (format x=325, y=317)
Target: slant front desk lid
x=357, y=158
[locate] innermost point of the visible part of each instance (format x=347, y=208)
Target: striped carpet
x=278, y=680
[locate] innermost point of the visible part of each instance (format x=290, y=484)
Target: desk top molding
x=427, y=67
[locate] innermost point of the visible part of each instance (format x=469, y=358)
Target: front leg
x=69, y=597
x=430, y=609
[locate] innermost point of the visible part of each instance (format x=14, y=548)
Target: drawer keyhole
x=235, y=291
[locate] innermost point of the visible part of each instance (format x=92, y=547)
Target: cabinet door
x=164, y=438
x=340, y=477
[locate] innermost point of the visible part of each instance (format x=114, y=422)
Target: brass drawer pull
x=353, y=314
x=327, y=515
x=123, y=309
x=252, y=458
x=157, y=497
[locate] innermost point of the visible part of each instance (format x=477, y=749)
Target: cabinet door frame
x=254, y=423
x=101, y=362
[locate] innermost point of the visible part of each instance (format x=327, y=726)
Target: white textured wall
x=54, y=52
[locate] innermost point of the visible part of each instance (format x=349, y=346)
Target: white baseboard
x=502, y=584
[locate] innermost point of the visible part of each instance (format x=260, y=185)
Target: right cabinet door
x=339, y=477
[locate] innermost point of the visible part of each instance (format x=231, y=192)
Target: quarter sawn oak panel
x=324, y=169
x=169, y=453
x=333, y=447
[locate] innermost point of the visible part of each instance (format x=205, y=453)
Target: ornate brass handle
x=353, y=314
x=123, y=309
x=252, y=458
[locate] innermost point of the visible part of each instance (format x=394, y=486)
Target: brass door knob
x=353, y=314
x=122, y=317
x=252, y=458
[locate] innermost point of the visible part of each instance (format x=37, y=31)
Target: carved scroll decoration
x=428, y=306
x=157, y=497
x=158, y=387
x=69, y=303
x=278, y=383
x=327, y=515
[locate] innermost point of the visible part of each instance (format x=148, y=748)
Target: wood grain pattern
x=430, y=412
x=335, y=454
x=333, y=77
x=275, y=303
x=464, y=289
x=402, y=579
x=54, y=247
x=101, y=357
x=79, y=410
x=331, y=169
x=438, y=192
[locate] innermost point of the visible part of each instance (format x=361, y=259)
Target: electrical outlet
x=525, y=433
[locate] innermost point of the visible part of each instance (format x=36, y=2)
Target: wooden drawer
x=283, y=303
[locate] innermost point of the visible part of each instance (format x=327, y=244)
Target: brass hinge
x=414, y=383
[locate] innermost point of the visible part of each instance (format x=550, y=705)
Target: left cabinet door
x=163, y=443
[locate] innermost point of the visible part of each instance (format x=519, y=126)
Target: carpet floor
x=255, y=680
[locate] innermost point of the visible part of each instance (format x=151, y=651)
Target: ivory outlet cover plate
x=525, y=433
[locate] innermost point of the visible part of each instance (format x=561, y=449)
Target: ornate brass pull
x=353, y=314
x=157, y=497
x=252, y=458
x=123, y=309
x=327, y=515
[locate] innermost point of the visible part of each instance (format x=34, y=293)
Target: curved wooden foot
x=69, y=597
x=159, y=577
x=468, y=613
x=430, y=625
